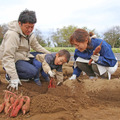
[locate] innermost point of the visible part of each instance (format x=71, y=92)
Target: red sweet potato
x=26, y=106
x=6, y=91
x=7, y=103
x=14, y=112
x=52, y=83
x=95, y=52
x=12, y=100
x=2, y=107
x=14, y=105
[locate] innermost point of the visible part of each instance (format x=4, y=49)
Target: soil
x=81, y=99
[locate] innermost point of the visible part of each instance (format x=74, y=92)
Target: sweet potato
x=52, y=83
x=7, y=103
x=2, y=107
x=14, y=105
x=26, y=106
x=95, y=52
x=12, y=100
x=14, y=112
x=8, y=92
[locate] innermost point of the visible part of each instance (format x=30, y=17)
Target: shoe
x=47, y=79
x=92, y=77
x=7, y=78
x=106, y=75
x=24, y=80
x=59, y=83
x=37, y=81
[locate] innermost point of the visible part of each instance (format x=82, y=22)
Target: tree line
x=60, y=37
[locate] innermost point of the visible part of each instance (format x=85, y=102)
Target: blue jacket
x=106, y=58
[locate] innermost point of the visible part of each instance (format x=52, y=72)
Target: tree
x=48, y=42
x=61, y=36
x=3, y=29
x=112, y=36
x=39, y=37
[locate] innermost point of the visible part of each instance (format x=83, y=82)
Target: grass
x=116, y=50
x=72, y=49
x=56, y=49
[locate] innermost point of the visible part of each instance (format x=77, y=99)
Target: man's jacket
x=16, y=46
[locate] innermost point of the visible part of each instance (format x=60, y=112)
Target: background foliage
x=60, y=37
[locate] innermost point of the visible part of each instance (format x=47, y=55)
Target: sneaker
x=37, y=81
x=92, y=77
x=24, y=80
x=7, y=77
x=59, y=83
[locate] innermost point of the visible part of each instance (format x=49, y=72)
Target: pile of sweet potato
x=13, y=103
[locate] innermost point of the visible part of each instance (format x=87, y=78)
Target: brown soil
x=82, y=99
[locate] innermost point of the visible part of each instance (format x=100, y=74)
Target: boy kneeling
x=47, y=62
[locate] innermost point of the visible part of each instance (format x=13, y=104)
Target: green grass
x=72, y=49
x=56, y=49
x=116, y=50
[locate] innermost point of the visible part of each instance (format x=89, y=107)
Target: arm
x=36, y=46
x=10, y=47
x=8, y=60
x=107, y=57
x=45, y=66
x=76, y=70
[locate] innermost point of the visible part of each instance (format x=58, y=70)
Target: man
x=15, y=49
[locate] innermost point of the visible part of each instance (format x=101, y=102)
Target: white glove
x=95, y=57
x=14, y=84
x=52, y=74
x=73, y=77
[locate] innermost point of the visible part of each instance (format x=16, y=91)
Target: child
x=47, y=62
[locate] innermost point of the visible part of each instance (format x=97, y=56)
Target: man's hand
x=73, y=77
x=14, y=84
x=52, y=74
x=95, y=57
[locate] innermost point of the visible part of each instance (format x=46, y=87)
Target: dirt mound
x=82, y=99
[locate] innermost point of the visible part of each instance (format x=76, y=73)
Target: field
x=81, y=99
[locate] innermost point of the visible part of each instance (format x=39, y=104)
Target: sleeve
x=59, y=76
x=107, y=57
x=36, y=46
x=45, y=65
x=76, y=70
x=10, y=48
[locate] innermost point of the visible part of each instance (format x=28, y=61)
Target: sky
x=52, y=14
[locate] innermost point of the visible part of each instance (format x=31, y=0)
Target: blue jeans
x=38, y=65
x=26, y=69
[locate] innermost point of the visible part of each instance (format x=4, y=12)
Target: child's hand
x=73, y=77
x=52, y=74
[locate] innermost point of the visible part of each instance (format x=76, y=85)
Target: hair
x=80, y=35
x=27, y=16
x=64, y=53
x=91, y=34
